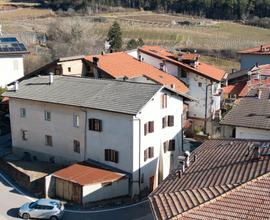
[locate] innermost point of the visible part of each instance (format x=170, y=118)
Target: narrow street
x=11, y=200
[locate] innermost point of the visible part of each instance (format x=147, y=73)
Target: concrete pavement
x=11, y=200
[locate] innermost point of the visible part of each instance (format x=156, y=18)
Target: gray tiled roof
x=251, y=111
x=108, y=95
x=248, y=201
x=220, y=167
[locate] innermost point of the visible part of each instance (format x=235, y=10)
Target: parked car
x=42, y=209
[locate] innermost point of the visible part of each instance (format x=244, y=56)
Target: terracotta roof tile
x=261, y=50
x=235, y=88
x=220, y=167
x=202, y=69
x=248, y=201
x=85, y=174
x=120, y=65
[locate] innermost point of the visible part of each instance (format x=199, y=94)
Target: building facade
x=11, y=60
x=254, y=56
x=78, y=123
x=203, y=81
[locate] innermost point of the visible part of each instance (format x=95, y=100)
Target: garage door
x=68, y=191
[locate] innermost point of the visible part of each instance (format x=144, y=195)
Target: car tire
x=53, y=218
x=26, y=216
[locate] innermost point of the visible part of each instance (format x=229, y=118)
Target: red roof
x=235, y=88
x=86, y=175
x=261, y=50
x=120, y=65
x=202, y=69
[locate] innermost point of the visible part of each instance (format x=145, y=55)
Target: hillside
x=217, y=40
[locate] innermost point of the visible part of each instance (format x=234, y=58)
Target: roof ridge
x=100, y=79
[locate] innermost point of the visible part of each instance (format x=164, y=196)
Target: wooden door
x=152, y=183
x=68, y=191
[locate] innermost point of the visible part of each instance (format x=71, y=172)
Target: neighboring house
x=133, y=127
x=225, y=179
x=203, y=80
x=11, y=60
x=120, y=65
x=258, y=55
x=249, y=118
x=67, y=66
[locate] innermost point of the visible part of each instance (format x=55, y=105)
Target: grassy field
x=156, y=29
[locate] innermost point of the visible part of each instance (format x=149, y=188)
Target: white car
x=42, y=209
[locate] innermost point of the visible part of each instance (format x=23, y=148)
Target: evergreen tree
x=132, y=44
x=115, y=37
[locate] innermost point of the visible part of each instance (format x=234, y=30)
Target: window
x=69, y=69
x=164, y=98
x=111, y=155
x=48, y=140
x=169, y=145
x=168, y=121
x=149, y=127
x=24, y=135
x=95, y=124
x=183, y=74
x=47, y=116
x=76, y=121
x=22, y=112
x=199, y=84
x=148, y=153
x=76, y=146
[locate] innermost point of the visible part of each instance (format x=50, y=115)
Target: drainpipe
x=206, y=102
x=182, y=133
x=139, y=170
x=85, y=133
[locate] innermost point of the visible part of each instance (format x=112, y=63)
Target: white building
x=135, y=128
x=254, y=56
x=11, y=60
x=249, y=119
x=203, y=80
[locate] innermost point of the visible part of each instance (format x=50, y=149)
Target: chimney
x=95, y=60
x=16, y=86
x=140, y=57
x=50, y=78
x=102, y=53
x=259, y=93
x=187, y=155
x=173, y=86
x=257, y=152
x=261, y=48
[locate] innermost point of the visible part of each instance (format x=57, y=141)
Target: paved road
x=11, y=199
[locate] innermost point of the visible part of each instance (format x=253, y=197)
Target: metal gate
x=68, y=191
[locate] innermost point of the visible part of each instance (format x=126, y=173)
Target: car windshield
x=32, y=205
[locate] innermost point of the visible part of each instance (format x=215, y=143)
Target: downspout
x=206, y=102
x=85, y=133
x=139, y=170
x=182, y=133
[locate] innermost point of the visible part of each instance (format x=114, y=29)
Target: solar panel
x=12, y=47
x=8, y=39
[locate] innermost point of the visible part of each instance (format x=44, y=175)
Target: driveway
x=11, y=199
